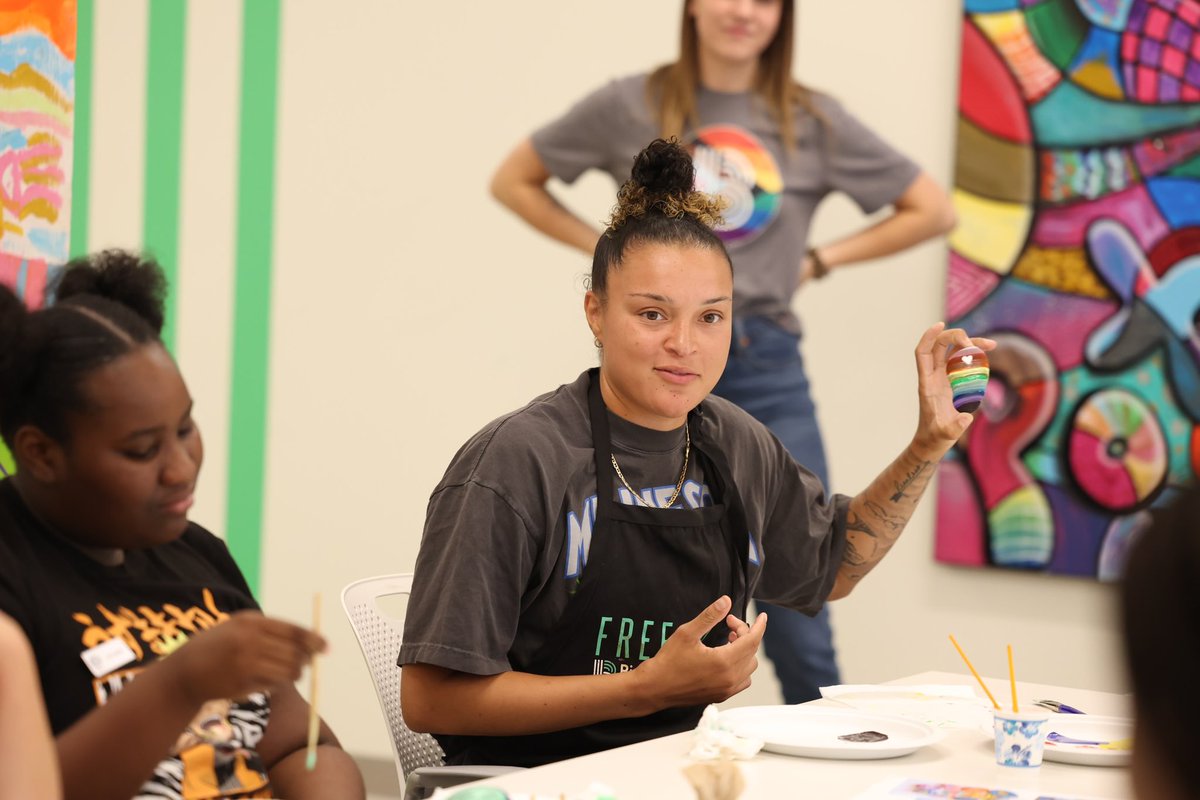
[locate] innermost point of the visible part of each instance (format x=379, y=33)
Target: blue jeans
x=765, y=376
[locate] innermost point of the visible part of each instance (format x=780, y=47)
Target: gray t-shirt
x=739, y=153
x=508, y=528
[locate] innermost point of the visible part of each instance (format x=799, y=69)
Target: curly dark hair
x=105, y=305
x=658, y=204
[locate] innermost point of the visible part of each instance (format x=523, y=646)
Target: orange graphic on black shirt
x=216, y=762
x=161, y=631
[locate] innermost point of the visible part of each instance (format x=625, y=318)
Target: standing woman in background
x=774, y=150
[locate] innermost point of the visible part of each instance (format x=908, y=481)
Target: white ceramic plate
x=1087, y=739
x=814, y=732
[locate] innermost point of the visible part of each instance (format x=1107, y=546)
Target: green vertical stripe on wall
x=164, y=144
x=81, y=185
x=252, y=285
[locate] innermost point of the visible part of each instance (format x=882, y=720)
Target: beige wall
x=409, y=309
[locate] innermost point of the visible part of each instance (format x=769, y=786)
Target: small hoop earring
x=599, y=344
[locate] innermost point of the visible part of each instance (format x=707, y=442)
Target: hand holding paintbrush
x=314, y=719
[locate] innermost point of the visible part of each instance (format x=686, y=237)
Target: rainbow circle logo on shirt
x=732, y=162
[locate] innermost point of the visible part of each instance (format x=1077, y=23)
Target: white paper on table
x=911, y=789
x=594, y=791
x=939, y=706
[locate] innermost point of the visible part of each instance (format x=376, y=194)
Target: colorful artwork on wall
x=37, y=92
x=1078, y=248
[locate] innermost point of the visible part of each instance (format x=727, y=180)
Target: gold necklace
x=687, y=452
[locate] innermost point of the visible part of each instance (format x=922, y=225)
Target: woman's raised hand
x=939, y=423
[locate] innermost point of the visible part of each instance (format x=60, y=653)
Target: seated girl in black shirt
x=161, y=677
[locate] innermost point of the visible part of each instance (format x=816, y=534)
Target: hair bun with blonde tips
x=664, y=167
x=662, y=181
x=658, y=205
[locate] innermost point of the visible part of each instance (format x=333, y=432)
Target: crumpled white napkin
x=713, y=740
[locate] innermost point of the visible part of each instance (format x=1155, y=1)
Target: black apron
x=649, y=570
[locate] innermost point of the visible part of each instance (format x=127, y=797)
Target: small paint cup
x=1020, y=737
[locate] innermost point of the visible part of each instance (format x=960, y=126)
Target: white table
x=653, y=769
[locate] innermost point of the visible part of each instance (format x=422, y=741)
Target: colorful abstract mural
x=37, y=91
x=1078, y=248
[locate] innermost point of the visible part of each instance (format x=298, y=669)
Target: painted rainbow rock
x=968, y=370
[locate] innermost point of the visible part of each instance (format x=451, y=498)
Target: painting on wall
x=1077, y=186
x=37, y=91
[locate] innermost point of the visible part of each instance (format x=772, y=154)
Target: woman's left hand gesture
x=940, y=424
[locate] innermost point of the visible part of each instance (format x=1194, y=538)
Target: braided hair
x=107, y=304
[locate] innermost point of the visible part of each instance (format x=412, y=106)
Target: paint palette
x=803, y=730
x=1091, y=740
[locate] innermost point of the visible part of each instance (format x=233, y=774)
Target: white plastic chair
x=419, y=758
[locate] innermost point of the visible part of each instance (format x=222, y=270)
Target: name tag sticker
x=107, y=656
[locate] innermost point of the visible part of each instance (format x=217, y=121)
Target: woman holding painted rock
x=625, y=520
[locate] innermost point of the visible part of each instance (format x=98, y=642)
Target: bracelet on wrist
x=820, y=268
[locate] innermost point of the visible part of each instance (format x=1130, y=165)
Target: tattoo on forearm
x=875, y=520
x=865, y=552
x=861, y=555
x=894, y=522
x=904, y=485
x=852, y=556
x=856, y=523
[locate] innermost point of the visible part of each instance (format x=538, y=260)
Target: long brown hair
x=671, y=88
